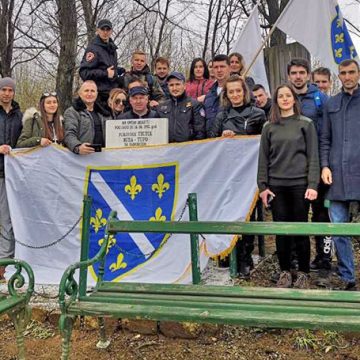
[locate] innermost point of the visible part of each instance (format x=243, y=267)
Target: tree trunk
x=68, y=42
x=7, y=31
x=278, y=37
x=89, y=19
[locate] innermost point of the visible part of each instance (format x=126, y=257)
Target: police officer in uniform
x=99, y=62
x=186, y=115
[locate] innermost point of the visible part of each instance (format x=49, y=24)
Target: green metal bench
x=259, y=307
x=15, y=303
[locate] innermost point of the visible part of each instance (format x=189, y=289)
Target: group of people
x=304, y=133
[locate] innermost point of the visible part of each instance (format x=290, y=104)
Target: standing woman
x=289, y=174
x=199, y=83
x=237, y=66
x=44, y=126
x=239, y=117
x=117, y=102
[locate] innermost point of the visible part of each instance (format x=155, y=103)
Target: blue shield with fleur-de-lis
x=136, y=193
x=342, y=45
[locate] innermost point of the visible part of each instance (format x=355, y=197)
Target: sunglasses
x=47, y=94
x=120, y=101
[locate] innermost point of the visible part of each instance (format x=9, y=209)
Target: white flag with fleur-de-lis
x=45, y=188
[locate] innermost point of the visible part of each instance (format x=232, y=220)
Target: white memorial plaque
x=136, y=132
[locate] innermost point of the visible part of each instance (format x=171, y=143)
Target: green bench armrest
x=68, y=285
x=17, y=280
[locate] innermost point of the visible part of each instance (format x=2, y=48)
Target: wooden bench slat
x=233, y=227
x=11, y=303
x=129, y=297
x=262, y=318
x=255, y=305
x=230, y=291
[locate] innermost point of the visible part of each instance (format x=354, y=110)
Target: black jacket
x=151, y=114
x=267, y=107
x=186, y=118
x=10, y=129
x=247, y=122
x=155, y=90
x=97, y=58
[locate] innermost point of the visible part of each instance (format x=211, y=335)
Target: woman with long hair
x=239, y=117
x=199, y=83
x=288, y=177
x=237, y=66
x=44, y=126
x=117, y=102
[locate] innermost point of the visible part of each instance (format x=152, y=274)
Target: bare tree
x=67, y=57
x=9, y=17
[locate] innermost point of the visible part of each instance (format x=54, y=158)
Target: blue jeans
x=339, y=213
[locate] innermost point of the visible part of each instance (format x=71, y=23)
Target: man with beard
x=339, y=160
x=140, y=70
x=10, y=129
x=312, y=102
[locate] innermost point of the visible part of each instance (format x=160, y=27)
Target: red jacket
x=197, y=88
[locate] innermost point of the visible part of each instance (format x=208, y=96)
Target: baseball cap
x=138, y=90
x=104, y=23
x=176, y=75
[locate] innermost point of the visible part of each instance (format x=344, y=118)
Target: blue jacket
x=311, y=108
x=211, y=106
x=339, y=145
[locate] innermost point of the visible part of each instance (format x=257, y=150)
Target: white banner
x=45, y=188
x=248, y=43
x=320, y=27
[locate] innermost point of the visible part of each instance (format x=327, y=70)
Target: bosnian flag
x=320, y=27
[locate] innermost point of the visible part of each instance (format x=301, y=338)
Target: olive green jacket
x=33, y=129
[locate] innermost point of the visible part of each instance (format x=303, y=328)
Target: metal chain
x=160, y=247
x=46, y=245
x=57, y=241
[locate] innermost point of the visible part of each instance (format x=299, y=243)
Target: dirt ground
x=43, y=342
x=227, y=342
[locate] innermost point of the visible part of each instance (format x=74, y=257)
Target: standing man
x=140, y=70
x=186, y=115
x=312, y=102
x=139, y=103
x=262, y=98
x=339, y=160
x=162, y=69
x=322, y=78
x=99, y=62
x=10, y=129
x=83, y=122
x=221, y=70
